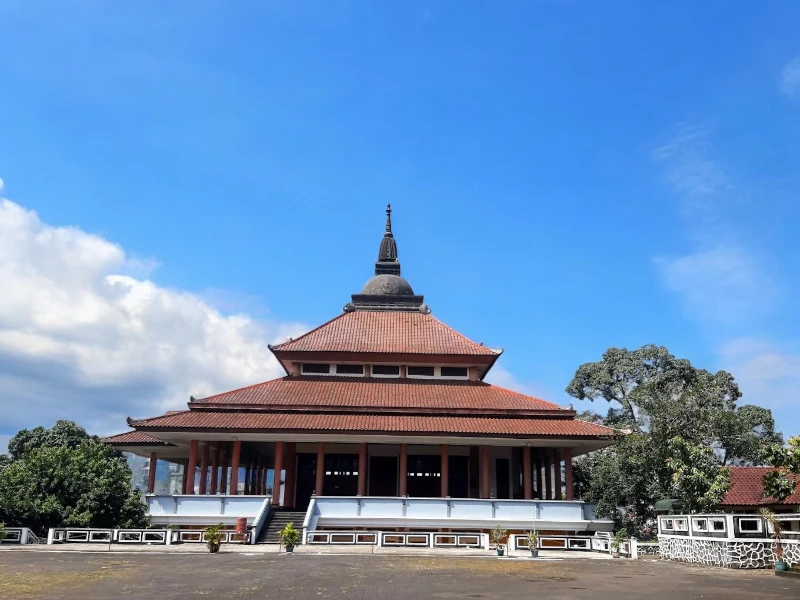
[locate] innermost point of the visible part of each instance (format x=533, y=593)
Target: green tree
x=781, y=482
x=654, y=399
x=697, y=477
x=65, y=477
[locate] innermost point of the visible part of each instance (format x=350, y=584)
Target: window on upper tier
x=455, y=372
x=385, y=371
x=350, y=370
x=421, y=372
x=316, y=369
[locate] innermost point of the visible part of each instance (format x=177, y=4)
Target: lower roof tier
x=371, y=424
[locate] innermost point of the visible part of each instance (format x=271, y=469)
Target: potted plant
x=290, y=537
x=533, y=542
x=499, y=536
x=616, y=543
x=213, y=537
x=769, y=517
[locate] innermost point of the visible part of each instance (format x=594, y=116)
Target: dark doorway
x=341, y=475
x=383, y=476
x=501, y=469
x=306, y=479
x=458, y=485
x=424, y=476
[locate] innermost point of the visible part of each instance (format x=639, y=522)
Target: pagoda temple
x=384, y=401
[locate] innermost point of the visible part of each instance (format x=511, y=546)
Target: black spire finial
x=388, y=221
x=387, y=255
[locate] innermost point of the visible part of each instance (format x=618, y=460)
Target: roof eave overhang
x=286, y=358
x=405, y=411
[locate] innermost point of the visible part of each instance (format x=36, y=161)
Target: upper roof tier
x=386, y=332
x=410, y=396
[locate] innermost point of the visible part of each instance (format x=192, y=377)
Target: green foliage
x=499, y=534
x=213, y=536
x=698, y=479
x=780, y=484
x=532, y=539
x=618, y=539
x=777, y=531
x=656, y=398
x=289, y=535
x=65, y=477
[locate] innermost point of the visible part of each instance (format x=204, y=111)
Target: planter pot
x=290, y=547
x=534, y=552
x=500, y=551
x=615, y=554
x=213, y=549
x=781, y=565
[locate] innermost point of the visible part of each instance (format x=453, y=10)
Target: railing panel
x=426, y=508
x=469, y=509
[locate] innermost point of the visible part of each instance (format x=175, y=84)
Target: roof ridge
x=309, y=332
x=462, y=336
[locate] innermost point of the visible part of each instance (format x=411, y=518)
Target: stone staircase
x=277, y=521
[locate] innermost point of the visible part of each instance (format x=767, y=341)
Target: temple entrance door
x=502, y=475
x=383, y=476
x=458, y=485
x=306, y=479
x=341, y=475
x=424, y=476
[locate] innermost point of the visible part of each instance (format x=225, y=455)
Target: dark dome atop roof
x=387, y=285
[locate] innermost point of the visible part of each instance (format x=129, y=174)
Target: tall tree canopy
x=678, y=425
x=780, y=483
x=64, y=477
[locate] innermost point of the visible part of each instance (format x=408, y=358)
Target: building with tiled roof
x=385, y=401
x=746, y=492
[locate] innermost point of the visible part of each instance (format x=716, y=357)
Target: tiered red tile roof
x=370, y=423
x=400, y=395
x=386, y=332
x=747, y=488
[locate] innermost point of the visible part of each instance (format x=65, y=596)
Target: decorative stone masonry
x=729, y=554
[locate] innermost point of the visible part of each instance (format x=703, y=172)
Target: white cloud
x=768, y=374
x=689, y=166
x=81, y=338
x=790, y=78
x=723, y=284
x=502, y=377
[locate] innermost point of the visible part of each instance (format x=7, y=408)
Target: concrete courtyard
x=305, y=576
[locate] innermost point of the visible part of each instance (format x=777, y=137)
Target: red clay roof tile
x=374, y=424
x=747, y=488
x=385, y=332
x=134, y=437
x=345, y=392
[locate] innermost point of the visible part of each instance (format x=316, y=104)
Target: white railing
x=77, y=535
x=373, y=512
x=192, y=509
x=20, y=535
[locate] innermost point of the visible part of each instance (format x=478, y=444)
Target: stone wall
x=726, y=553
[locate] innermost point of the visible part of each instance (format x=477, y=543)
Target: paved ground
x=306, y=576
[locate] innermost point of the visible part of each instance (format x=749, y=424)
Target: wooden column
x=214, y=469
x=151, y=474
x=527, y=488
x=291, y=474
x=204, y=468
x=235, y=456
x=568, y=474
x=276, y=484
x=445, y=471
x=223, y=473
x=548, y=473
x=320, y=482
x=485, y=477
x=191, y=467
x=403, y=469
x=362, y=469
x=557, y=474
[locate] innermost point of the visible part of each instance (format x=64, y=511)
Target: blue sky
x=187, y=181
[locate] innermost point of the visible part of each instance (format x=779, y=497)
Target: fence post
x=50, y=534
x=634, y=545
